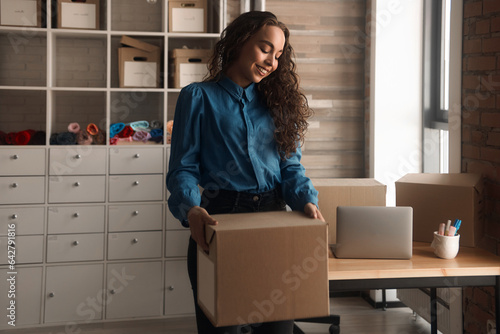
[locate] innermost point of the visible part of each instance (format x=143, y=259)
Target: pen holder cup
x=446, y=247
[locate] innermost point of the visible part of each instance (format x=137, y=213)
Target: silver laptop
x=374, y=232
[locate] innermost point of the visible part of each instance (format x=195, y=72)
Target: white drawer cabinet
x=134, y=290
x=28, y=296
x=136, y=160
x=28, y=249
x=27, y=220
x=134, y=188
x=75, y=189
x=77, y=160
x=75, y=247
x=135, y=217
x=171, y=222
x=178, y=293
x=176, y=243
x=76, y=219
x=22, y=161
x=69, y=290
x=134, y=245
x=22, y=190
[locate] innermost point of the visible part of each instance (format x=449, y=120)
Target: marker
x=441, y=229
x=452, y=231
x=448, y=223
x=457, y=225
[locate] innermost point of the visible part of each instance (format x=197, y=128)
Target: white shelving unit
x=95, y=240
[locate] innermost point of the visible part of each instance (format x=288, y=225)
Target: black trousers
x=223, y=201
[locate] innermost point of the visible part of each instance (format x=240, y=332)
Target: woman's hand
x=198, y=218
x=311, y=210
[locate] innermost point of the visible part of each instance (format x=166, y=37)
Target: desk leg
x=497, y=303
x=434, y=325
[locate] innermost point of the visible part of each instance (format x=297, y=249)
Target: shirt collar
x=237, y=91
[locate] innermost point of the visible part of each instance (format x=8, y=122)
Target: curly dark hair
x=288, y=105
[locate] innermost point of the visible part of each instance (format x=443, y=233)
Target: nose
x=272, y=61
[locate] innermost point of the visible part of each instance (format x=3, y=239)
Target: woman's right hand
x=198, y=218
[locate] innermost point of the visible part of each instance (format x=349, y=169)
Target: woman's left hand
x=311, y=210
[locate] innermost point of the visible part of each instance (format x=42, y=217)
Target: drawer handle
x=78, y=156
x=75, y=243
x=171, y=288
x=136, y=213
x=15, y=157
x=14, y=185
x=135, y=240
x=112, y=291
x=77, y=184
x=137, y=156
x=14, y=216
x=76, y=215
x=51, y=295
x=136, y=183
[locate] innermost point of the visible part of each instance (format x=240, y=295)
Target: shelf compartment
x=133, y=15
x=80, y=61
x=102, y=23
x=132, y=106
x=23, y=110
x=116, y=44
x=23, y=58
x=84, y=108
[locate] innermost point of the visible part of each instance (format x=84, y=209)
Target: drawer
x=28, y=249
x=82, y=160
x=135, y=217
x=144, y=160
x=27, y=220
x=171, y=222
x=131, y=188
x=71, y=189
x=22, y=190
x=134, y=245
x=176, y=243
x=18, y=161
x=75, y=247
x=76, y=219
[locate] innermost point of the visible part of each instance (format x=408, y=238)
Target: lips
x=262, y=70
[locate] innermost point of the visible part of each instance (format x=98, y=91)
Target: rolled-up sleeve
x=297, y=188
x=184, y=165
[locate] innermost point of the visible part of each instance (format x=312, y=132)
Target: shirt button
x=255, y=198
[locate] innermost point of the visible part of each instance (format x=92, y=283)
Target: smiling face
x=258, y=57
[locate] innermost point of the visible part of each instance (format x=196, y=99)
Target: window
x=436, y=85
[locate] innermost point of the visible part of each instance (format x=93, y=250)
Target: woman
x=238, y=136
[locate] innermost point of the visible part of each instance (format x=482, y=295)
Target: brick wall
x=481, y=135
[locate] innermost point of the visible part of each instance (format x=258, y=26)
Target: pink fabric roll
x=74, y=127
x=143, y=136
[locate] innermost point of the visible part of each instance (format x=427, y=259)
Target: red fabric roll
x=23, y=137
x=10, y=139
x=126, y=132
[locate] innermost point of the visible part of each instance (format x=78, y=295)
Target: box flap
x=453, y=179
x=358, y=182
x=261, y=220
x=135, y=43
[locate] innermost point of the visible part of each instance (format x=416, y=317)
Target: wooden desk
x=471, y=267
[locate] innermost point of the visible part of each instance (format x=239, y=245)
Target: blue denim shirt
x=223, y=138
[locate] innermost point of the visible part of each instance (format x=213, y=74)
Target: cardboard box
x=188, y=65
x=265, y=266
x=346, y=192
x=83, y=14
x=435, y=198
x=187, y=16
x=139, y=64
x=22, y=13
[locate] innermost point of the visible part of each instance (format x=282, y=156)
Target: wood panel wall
x=327, y=38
